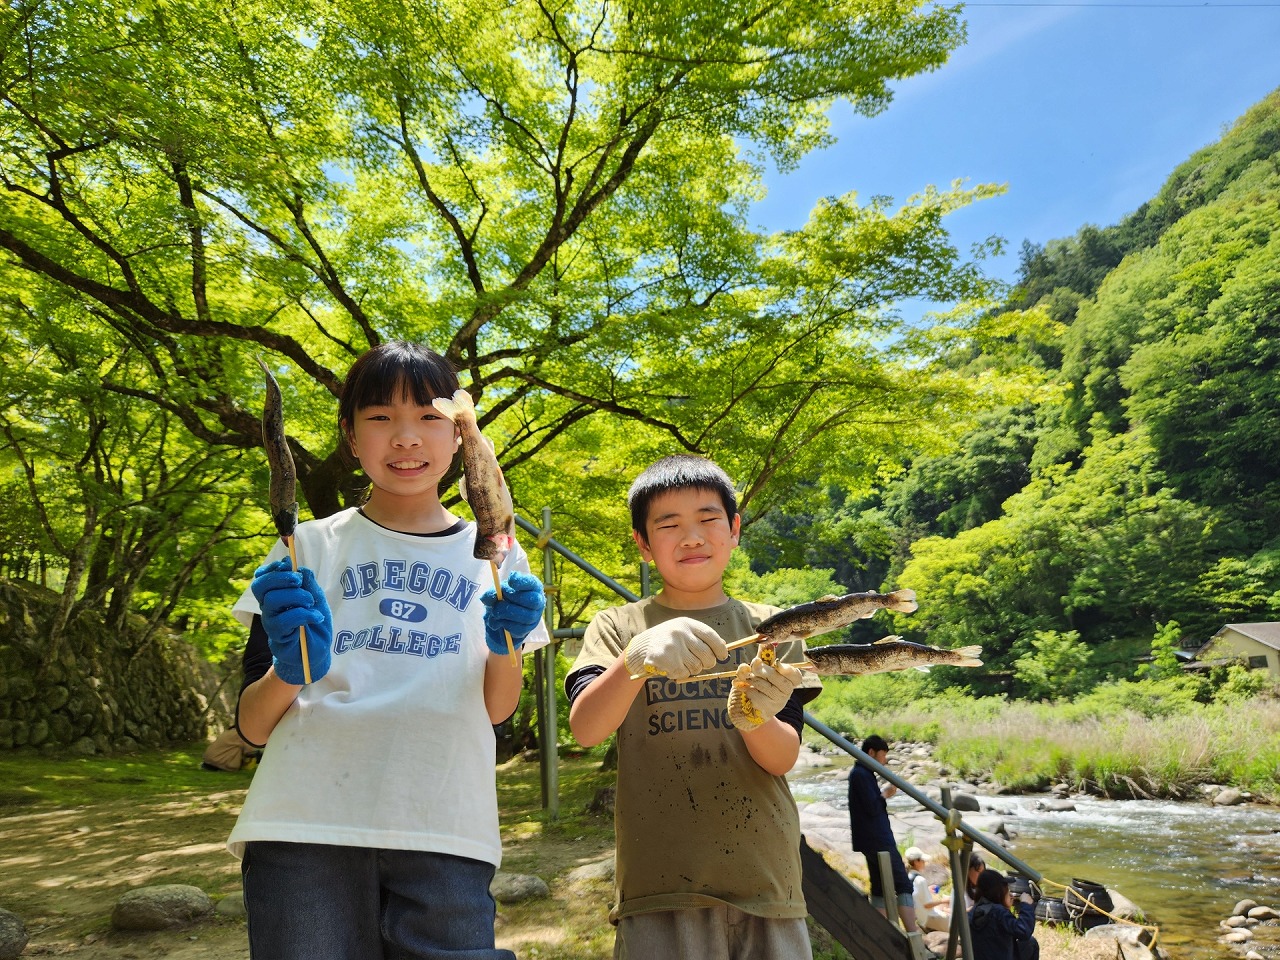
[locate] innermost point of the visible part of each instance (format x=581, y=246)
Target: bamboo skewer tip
x=497, y=587
x=302, y=630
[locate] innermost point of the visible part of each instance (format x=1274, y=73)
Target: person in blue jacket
x=996, y=932
x=872, y=833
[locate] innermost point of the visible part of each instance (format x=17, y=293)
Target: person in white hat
x=926, y=896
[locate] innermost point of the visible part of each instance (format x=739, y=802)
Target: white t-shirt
x=393, y=747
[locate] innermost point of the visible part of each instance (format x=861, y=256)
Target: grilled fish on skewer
x=891, y=653
x=485, y=488
x=883, y=656
x=284, y=478
x=819, y=616
x=283, y=497
x=831, y=613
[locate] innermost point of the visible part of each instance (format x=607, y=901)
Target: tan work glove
x=678, y=649
x=760, y=690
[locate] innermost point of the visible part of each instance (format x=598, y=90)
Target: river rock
x=1239, y=935
x=1228, y=797
x=1124, y=908
x=161, y=907
x=1264, y=913
x=1235, y=921
x=1133, y=942
x=965, y=801
x=1243, y=907
x=518, y=887
x=1253, y=955
x=1056, y=806
x=13, y=935
x=810, y=759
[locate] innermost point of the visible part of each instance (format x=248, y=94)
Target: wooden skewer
x=497, y=586
x=754, y=638
x=806, y=665
x=302, y=630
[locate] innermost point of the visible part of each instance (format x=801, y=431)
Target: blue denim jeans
x=310, y=901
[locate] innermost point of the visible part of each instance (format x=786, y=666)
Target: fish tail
x=969, y=656
x=451, y=407
x=903, y=601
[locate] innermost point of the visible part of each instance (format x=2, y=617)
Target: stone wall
x=108, y=692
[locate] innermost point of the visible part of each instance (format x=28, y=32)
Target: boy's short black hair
x=679, y=472
x=873, y=743
x=992, y=885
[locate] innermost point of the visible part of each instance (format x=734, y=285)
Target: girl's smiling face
x=403, y=447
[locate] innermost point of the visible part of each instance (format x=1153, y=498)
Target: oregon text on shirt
x=403, y=577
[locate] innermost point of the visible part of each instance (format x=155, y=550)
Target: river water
x=1185, y=864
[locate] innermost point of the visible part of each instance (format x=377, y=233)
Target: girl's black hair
x=394, y=370
x=992, y=885
x=391, y=371
x=679, y=472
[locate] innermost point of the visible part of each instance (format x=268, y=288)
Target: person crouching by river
x=997, y=934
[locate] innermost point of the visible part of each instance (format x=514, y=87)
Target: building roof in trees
x=1265, y=633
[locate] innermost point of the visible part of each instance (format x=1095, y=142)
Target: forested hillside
x=1142, y=487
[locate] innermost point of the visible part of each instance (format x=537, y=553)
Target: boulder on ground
x=602, y=869
x=13, y=935
x=161, y=907
x=232, y=905
x=518, y=887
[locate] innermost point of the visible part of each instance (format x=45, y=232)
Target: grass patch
x=33, y=780
x=1132, y=739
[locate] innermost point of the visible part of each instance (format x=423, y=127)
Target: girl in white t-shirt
x=371, y=827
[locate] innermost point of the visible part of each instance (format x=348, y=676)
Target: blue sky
x=1083, y=110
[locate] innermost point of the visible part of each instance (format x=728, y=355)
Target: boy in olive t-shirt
x=707, y=832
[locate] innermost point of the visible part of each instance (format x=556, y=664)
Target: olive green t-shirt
x=698, y=822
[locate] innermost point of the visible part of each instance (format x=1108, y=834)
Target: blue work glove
x=289, y=599
x=517, y=613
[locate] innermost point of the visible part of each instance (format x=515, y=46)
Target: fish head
x=494, y=548
x=286, y=520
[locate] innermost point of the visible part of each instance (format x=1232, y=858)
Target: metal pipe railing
x=546, y=541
